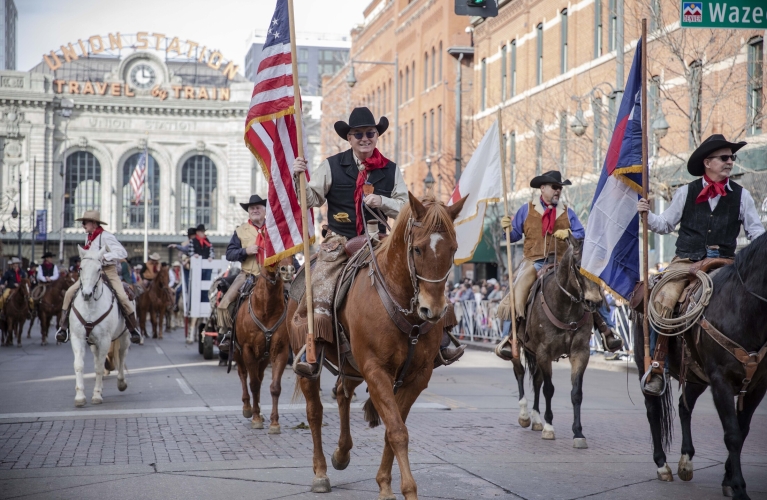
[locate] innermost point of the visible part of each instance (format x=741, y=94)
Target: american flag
x=270, y=133
x=138, y=177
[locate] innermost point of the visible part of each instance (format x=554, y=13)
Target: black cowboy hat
x=201, y=227
x=550, y=177
x=48, y=254
x=191, y=231
x=712, y=143
x=360, y=117
x=254, y=200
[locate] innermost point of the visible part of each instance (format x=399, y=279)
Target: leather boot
x=132, y=323
x=611, y=341
x=306, y=369
x=448, y=354
x=654, y=385
x=225, y=335
x=62, y=334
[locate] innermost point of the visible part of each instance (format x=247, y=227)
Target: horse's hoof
x=96, y=401
x=727, y=491
x=685, y=468
x=580, y=443
x=257, y=424
x=79, y=403
x=321, y=485
x=548, y=432
x=524, y=422
x=665, y=474
x=538, y=426
x=339, y=465
x=189, y=341
x=247, y=412
x=275, y=429
x=122, y=385
x=388, y=497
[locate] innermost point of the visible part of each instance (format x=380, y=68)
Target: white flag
x=481, y=181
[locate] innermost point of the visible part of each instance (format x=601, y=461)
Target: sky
x=45, y=25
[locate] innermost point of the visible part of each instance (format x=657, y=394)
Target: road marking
x=158, y=349
x=148, y=412
x=184, y=387
x=130, y=372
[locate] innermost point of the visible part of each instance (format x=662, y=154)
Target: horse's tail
x=371, y=414
x=666, y=418
x=531, y=364
x=297, y=394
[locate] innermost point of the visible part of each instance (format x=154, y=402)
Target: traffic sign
x=738, y=14
x=479, y=8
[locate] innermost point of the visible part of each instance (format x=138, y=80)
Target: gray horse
x=558, y=322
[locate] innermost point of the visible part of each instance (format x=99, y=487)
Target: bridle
x=98, y=279
x=570, y=271
x=737, y=271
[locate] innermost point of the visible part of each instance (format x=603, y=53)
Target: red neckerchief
x=203, y=241
x=713, y=190
x=375, y=162
x=18, y=275
x=95, y=234
x=549, y=218
x=260, y=242
x=155, y=268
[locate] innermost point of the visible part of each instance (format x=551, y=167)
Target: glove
x=505, y=222
x=562, y=234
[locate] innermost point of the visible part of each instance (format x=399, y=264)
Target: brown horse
x=155, y=302
x=52, y=301
x=16, y=310
x=262, y=336
x=415, y=261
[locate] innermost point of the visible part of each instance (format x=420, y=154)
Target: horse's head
x=592, y=294
x=432, y=245
x=286, y=269
x=90, y=269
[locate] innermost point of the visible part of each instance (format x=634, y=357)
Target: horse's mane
x=437, y=219
x=754, y=252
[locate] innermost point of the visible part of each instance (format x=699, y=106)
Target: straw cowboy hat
x=254, y=200
x=712, y=143
x=14, y=260
x=154, y=256
x=92, y=215
x=359, y=118
x=550, y=177
x=176, y=264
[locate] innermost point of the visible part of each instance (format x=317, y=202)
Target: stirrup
x=66, y=335
x=320, y=362
x=648, y=374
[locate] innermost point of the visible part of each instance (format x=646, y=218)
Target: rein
x=744, y=286
x=573, y=325
x=268, y=332
x=90, y=325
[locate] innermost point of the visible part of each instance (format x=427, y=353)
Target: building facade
x=74, y=127
x=8, y=39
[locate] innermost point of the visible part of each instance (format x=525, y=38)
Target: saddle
x=38, y=292
x=129, y=291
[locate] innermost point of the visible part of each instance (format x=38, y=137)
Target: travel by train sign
x=739, y=14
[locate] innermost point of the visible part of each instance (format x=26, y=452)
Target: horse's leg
x=45, y=324
x=31, y=322
x=548, y=393
x=242, y=371
x=252, y=365
x=78, y=348
x=578, y=363
x=733, y=483
x=120, y=352
x=311, y=391
x=99, y=349
x=691, y=393
x=275, y=389
x=537, y=383
x=153, y=320
x=341, y=456
x=160, y=319
x=519, y=374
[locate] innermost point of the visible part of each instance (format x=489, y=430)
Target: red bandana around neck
x=549, y=218
x=91, y=237
x=18, y=276
x=375, y=162
x=203, y=241
x=260, y=242
x=713, y=190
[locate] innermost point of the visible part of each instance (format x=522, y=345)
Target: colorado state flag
x=611, y=245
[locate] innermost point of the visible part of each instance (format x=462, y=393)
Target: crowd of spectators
x=478, y=291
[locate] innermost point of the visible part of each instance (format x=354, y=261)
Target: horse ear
x=456, y=208
x=419, y=211
x=80, y=251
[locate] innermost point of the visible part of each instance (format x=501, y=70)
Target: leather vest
x=534, y=247
x=47, y=268
x=247, y=235
x=150, y=272
x=701, y=227
x=342, y=215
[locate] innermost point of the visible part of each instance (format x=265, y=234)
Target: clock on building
x=142, y=76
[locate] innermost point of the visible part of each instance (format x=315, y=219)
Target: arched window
x=82, y=186
x=133, y=209
x=198, y=192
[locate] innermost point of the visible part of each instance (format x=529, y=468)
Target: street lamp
x=351, y=81
x=428, y=181
x=3, y=230
x=579, y=125
x=15, y=212
x=660, y=125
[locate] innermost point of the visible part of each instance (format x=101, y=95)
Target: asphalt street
x=178, y=432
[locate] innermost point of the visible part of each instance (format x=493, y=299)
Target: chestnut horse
x=155, y=302
x=415, y=261
x=262, y=334
x=52, y=301
x=16, y=313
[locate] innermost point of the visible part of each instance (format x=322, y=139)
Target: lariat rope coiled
x=691, y=316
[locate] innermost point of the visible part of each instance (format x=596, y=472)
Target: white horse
x=95, y=307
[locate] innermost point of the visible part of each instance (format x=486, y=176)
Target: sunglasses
x=369, y=134
x=724, y=157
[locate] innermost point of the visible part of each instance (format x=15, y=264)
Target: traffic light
x=480, y=8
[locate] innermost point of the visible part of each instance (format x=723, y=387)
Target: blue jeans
x=604, y=311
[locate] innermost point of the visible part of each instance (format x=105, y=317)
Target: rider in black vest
x=710, y=211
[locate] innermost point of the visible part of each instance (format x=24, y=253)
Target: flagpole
x=645, y=195
x=311, y=355
x=514, y=348
x=146, y=204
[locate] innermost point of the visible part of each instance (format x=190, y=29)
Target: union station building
x=74, y=127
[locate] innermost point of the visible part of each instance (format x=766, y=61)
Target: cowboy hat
x=154, y=256
x=712, y=143
x=254, y=200
x=191, y=231
x=14, y=260
x=360, y=117
x=201, y=227
x=176, y=264
x=92, y=215
x=48, y=254
x=550, y=177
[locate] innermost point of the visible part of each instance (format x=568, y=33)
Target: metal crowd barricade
x=477, y=321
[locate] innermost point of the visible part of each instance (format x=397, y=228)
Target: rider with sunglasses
x=709, y=211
